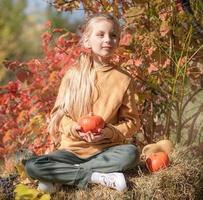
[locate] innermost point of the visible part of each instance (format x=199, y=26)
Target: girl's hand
x=89, y=136
x=77, y=127
x=75, y=130
x=92, y=137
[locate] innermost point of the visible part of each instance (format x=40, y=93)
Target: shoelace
x=109, y=181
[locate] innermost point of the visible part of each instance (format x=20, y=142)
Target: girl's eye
x=100, y=35
x=113, y=35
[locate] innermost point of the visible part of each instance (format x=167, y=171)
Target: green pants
x=65, y=167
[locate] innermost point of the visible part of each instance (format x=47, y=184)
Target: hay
x=182, y=180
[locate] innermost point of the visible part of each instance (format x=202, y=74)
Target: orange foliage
x=25, y=104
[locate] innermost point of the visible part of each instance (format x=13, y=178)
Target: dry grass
x=182, y=180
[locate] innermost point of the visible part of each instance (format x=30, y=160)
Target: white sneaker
x=47, y=187
x=113, y=180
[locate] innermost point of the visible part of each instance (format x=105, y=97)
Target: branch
x=190, y=98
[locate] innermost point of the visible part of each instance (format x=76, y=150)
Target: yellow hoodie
x=117, y=105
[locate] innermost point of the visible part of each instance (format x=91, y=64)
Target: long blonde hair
x=75, y=96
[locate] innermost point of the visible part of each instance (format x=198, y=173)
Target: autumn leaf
x=45, y=197
x=7, y=138
x=23, y=75
x=133, y=13
x=141, y=1
x=138, y=62
x=13, y=86
x=126, y=39
x=164, y=28
x=24, y=192
x=21, y=170
x=151, y=51
x=2, y=151
x=152, y=68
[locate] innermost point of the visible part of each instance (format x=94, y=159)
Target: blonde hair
x=75, y=96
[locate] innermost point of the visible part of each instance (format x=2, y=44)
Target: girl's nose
x=107, y=38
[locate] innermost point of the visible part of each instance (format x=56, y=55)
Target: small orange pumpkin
x=91, y=123
x=157, y=161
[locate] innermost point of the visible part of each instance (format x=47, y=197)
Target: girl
x=91, y=85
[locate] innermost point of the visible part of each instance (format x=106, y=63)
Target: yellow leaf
x=21, y=170
x=133, y=14
x=135, y=11
x=45, y=197
x=37, y=120
x=23, y=192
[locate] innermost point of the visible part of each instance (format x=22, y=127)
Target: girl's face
x=104, y=38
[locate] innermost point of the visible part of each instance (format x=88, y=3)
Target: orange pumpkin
x=157, y=161
x=91, y=123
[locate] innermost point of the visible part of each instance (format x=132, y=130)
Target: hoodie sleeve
x=66, y=126
x=128, y=118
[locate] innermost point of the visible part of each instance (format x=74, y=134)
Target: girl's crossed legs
x=65, y=167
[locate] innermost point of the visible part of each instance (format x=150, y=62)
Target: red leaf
x=126, y=39
x=152, y=68
x=23, y=75
x=13, y=86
